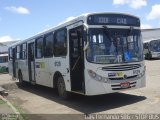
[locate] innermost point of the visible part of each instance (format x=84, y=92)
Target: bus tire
x=61, y=89
x=149, y=56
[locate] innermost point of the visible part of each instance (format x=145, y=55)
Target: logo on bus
x=119, y=74
x=40, y=65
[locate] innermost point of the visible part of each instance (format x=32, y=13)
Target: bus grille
x=118, y=86
x=121, y=67
x=121, y=78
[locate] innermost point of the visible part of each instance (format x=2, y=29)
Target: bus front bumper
x=98, y=88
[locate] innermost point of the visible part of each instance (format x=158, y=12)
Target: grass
x=2, y=102
x=22, y=114
x=20, y=110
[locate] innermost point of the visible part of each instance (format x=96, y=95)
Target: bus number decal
x=136, y=72
x=57, y=64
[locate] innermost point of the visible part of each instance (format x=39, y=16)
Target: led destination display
x=113, y=19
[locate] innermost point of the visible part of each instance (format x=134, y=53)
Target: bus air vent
x=122, y=67
x=121, y=78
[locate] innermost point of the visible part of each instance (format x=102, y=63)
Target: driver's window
x=98, y=44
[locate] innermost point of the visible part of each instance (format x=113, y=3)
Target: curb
x=10, y=105
x=16, y=112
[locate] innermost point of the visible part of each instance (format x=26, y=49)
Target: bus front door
x=31, y=62
x=76, y=60
x=14, y=62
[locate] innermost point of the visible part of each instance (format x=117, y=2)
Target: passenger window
x=18, y=50
x=49, y=45
x=60, y=43
x=39, y=48
x=10, y=54
x=24, y=49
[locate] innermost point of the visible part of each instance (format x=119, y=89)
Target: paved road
x=42, y=100
x=5, y=79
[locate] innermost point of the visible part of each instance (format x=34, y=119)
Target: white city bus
x=152, y=48
x=93, y=54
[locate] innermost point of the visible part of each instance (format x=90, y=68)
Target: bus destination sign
x=113, y=19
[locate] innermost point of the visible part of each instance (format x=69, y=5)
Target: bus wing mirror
x=146, y=46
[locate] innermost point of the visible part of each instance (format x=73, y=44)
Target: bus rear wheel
x=62, y=89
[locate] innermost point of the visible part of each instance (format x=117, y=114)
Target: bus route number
x=57, y=64
x=136, y=72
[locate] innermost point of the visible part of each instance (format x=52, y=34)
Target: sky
x=20, y=19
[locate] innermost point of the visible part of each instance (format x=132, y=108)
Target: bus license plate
x=125, y=85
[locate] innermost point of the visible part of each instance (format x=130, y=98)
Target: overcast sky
x=20, y=19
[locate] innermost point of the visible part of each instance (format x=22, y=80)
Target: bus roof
x=151, y=40
x=66, y=23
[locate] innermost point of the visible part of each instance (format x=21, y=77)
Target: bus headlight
x=92, y=74
x=97, y=77
x=141, y=74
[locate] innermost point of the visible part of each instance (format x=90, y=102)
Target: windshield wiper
x=106, y=31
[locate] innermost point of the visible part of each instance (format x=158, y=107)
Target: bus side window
x=48, y=48
x=24, y=49
x=18, y=52
x=10, y=54
x=60, y=43
x=39, y=48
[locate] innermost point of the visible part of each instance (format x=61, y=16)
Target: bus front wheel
x=62, y=89
x=149, y=56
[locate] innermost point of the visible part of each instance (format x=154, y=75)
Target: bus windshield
x=155, y=45
x=111, y=46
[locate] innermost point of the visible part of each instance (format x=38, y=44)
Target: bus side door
x=31, y=62
x=76, y=54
